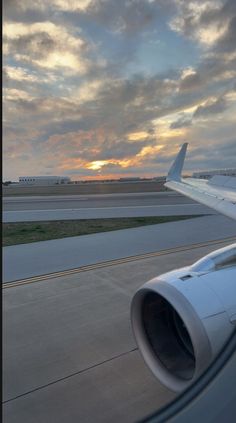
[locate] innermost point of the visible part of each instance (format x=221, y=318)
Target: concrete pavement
x=69, y=353
x=100, y=200
x=26, y=260
x=42, y=208
x=105, y=212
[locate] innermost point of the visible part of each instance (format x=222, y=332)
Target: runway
x=20, y=209
x=69, y=352
x=92, y=201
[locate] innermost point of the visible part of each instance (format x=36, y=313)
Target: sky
x=100, y=89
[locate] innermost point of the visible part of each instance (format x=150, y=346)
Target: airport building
x=209, y=173
x=43, y=180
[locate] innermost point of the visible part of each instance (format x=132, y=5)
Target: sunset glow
x=109, y=89
x=97, y=165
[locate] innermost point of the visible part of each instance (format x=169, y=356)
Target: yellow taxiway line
x=109, y=263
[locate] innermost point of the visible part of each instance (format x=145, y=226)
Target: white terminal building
x=44, y=180
x=209, y=173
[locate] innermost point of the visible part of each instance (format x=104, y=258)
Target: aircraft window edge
x=173, y=408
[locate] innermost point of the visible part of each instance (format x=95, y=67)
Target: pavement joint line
x=45, y=197
x=109, y=263
x=70, y=375
x=102, y=208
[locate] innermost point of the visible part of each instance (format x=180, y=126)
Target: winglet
x=174, y=173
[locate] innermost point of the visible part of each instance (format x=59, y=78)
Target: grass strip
x=26, y=232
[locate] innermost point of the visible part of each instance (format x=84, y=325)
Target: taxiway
x=69, y=352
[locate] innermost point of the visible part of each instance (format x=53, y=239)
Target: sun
x=97, y=164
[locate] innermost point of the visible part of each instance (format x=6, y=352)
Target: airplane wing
x=219, y=192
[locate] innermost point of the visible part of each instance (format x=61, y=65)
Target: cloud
x=211, y=23
x=211, y=108
x=182, y=122
x=24, y=11
x=94, y=145
x=126, y=17
x=39, y=10
x=74, y=98
x=203, y=21
x=226, y=43
x=190, y=81
x=212, y=155
x=12, y=73
x=103, y=124
x=45, y=45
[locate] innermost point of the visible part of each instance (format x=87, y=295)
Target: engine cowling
x=181, y=319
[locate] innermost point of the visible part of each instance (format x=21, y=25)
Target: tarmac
x=70, y=207
x=104, y=213
x=27, y=260
x=69, y=353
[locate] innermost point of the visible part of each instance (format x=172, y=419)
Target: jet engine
x=182, y=318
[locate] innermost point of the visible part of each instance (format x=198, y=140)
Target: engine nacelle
x=182, y=318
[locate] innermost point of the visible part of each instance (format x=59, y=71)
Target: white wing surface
x=219, y=192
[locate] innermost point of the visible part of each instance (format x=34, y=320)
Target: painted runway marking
x=104, y=208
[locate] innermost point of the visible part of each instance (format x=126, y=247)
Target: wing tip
x=175, y=171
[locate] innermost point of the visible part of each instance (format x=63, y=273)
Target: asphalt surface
x=92, y=201
x=105, y=212
x=19, y=209
x=26, y=260
x=69, y=353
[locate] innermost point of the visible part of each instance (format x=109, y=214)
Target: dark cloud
x=120, y=106
x=212, y=108
x=219, y=15
x=126, y=104
x=211, y=16
x=227, y=42
x=217, y=155
x=122, y=16
x=214, y=74
x=25, y=11
x=123, y=149
x=215, y=66
x=162, y=159
x=35, y=48
x=119, y=16
x=91, y=146
x=190, y=82
x=36, y=45
x=182, y=122
x=127, y=16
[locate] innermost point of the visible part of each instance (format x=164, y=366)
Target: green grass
x=22, y=233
